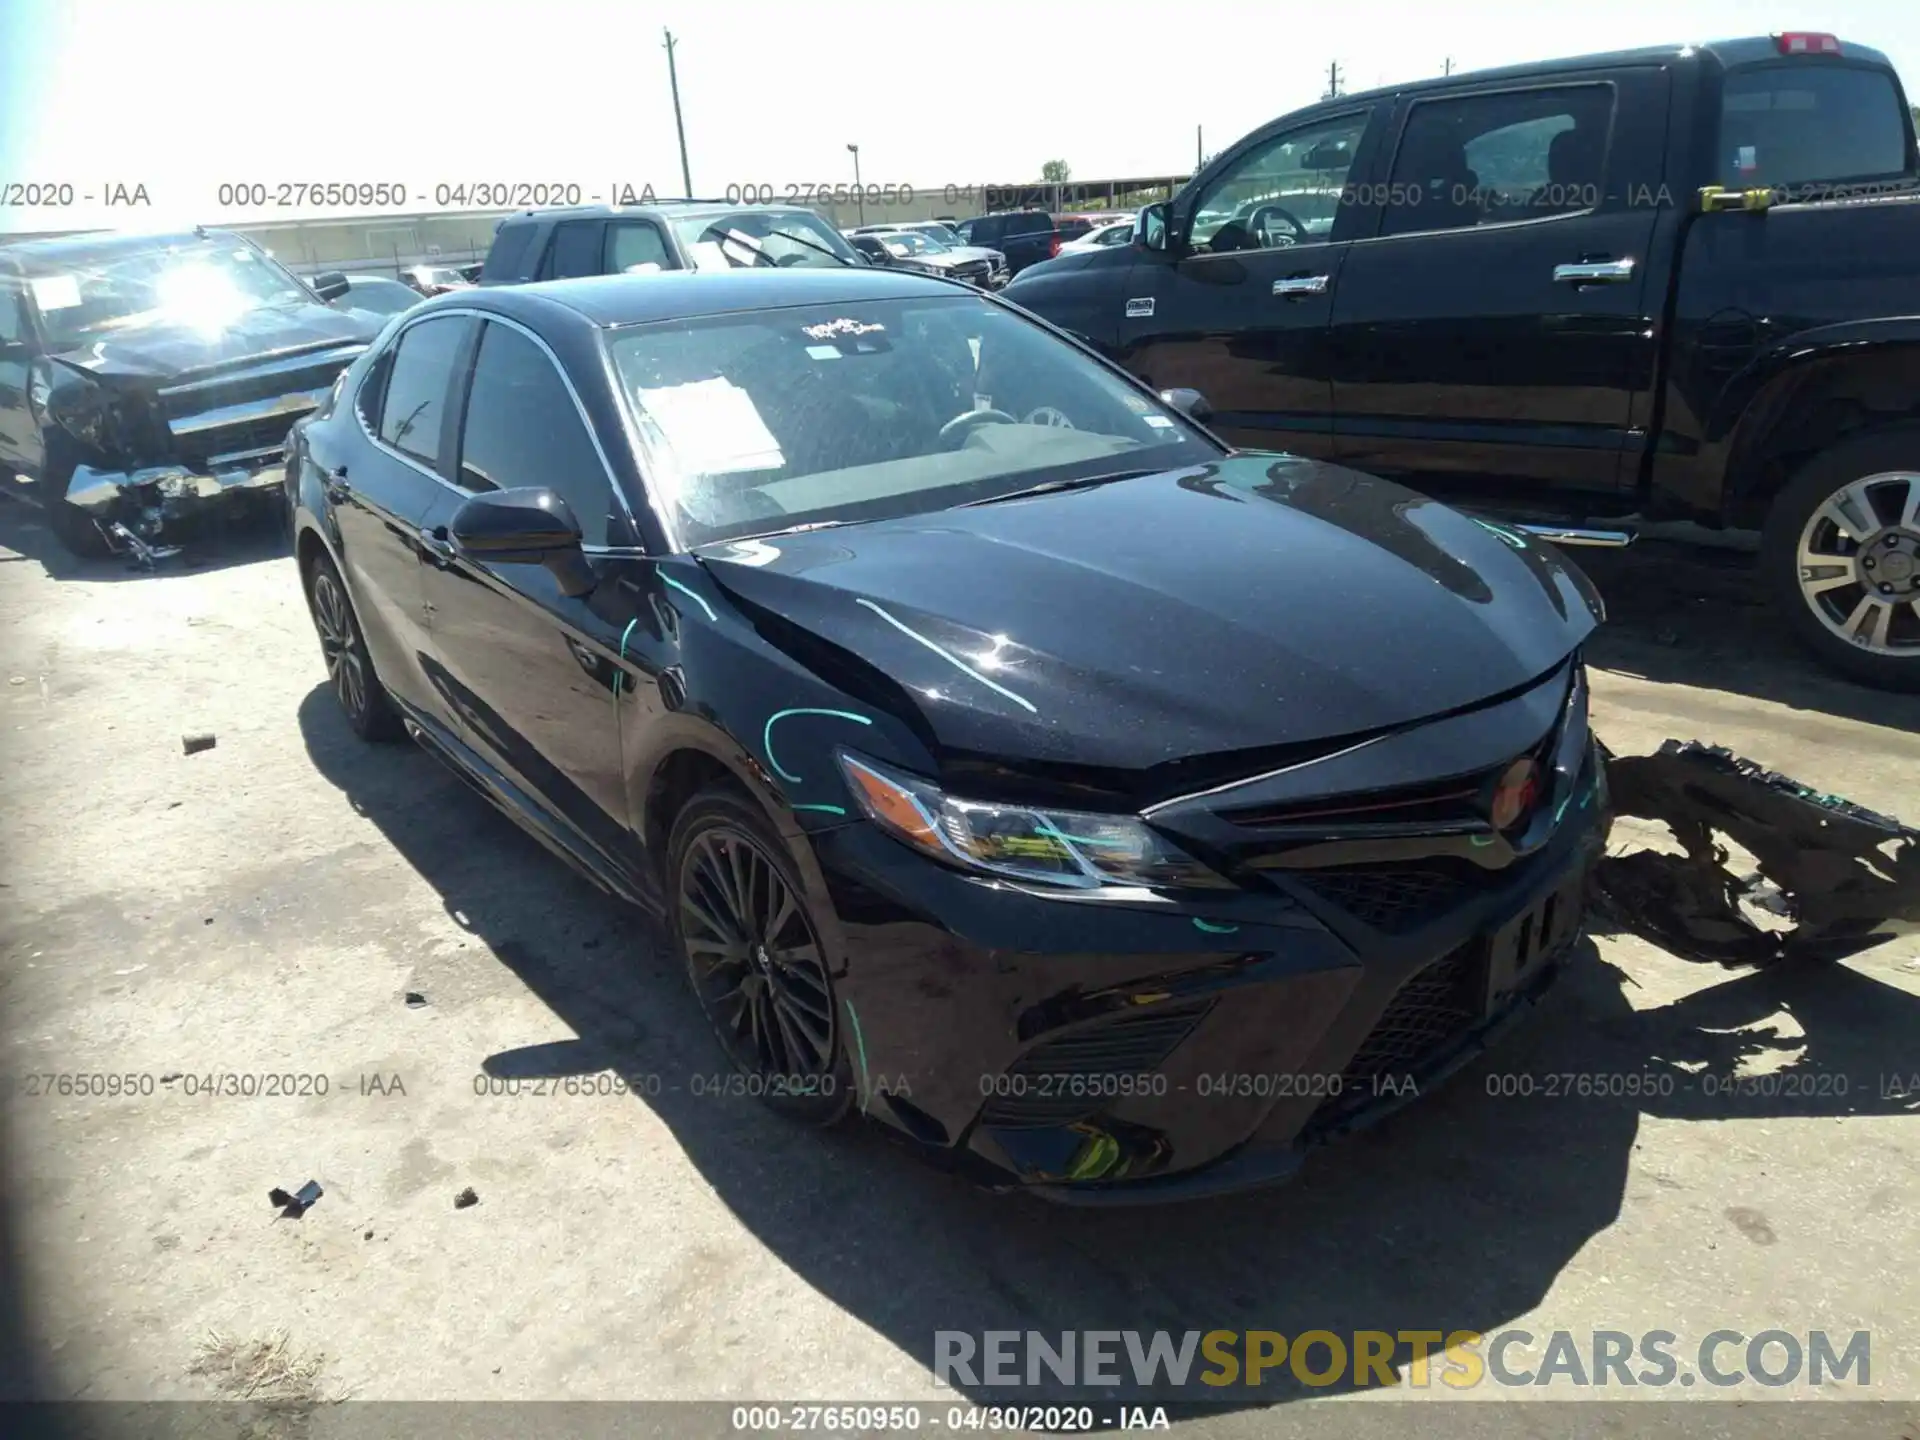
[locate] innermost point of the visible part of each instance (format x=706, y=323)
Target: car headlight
x=1050, y=847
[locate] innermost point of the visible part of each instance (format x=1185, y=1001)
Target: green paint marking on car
x=766, y=735
x=1213, y=929
x=860, y=1046
x=693, y=595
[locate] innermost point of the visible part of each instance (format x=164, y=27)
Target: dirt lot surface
x=265, y=907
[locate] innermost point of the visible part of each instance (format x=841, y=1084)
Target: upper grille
x=1063, y=1080
x=1395, y=900
x=251, y=437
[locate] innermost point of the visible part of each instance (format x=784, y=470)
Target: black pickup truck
x=1678, y=283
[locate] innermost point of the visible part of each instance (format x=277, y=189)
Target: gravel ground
x=264, y=907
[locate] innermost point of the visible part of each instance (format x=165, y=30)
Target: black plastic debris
x=466, y=1199
x=194, y=744
x=293, y=1206
x=415, y=1000
x=1844, y=876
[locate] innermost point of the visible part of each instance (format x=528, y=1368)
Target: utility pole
x=859, y=190
x=1448, y=70
x=673, y=79
x=1333, y=81
x=1199, y=150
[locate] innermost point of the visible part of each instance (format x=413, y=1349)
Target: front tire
x=1840, y=557
x=755, y=959
x=363, y=699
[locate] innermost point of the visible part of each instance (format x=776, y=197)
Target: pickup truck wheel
x=1841, y=557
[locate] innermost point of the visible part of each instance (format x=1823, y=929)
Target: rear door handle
x=1302, y=285
x=1594, y=272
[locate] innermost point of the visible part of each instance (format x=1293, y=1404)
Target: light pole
x=673, y=79
x=860, y=194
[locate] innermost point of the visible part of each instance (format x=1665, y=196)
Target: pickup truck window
x=1489, y=159
x=634, y=242
x=574, y=250
x=1801, y=124
x=1284, y=191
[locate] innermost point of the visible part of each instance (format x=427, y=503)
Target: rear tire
x=343, y=645
x=1840, y=557
x=740, y=920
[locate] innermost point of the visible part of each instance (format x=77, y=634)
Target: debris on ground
x=194, y=744
x=293, y=1206
x=264, y=1369
x=1843, y=876
x=466, y=1199
x=415, y=1000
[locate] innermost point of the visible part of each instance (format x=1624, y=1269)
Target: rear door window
x=1512, y=155
x=1809, y=123
x=415, y=405
x=509, y=246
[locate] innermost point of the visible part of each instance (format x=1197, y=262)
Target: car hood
x=1253, y=602
x=162, y=347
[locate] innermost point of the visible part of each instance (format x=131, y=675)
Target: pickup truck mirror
x=531, y=526
x=330, y=286
x=1153, y=229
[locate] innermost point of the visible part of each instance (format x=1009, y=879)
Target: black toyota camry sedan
x=1112, y=812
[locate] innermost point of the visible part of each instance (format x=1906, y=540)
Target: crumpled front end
x=160, y=455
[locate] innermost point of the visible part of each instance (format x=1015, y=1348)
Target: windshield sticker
x=1745, y=159
x=824, y=352
x=1136, y=403
x=834, y=328
x=56, y=292
x=1158, y=422
x=713, y=427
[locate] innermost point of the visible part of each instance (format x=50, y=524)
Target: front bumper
x=136, y=508
x=1107, y=1052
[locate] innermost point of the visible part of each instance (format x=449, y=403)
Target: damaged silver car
x=148, y=379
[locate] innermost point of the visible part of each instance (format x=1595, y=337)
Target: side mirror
x=330, y=286
x=1152, y=230
x=1190, y=403
x=533, y=526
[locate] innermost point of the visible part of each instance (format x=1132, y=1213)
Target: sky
x=181, y=98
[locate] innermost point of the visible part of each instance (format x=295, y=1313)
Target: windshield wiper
x=1053, y=487
x=759, y=250
x=788, y=530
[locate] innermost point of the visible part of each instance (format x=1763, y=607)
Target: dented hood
x=160, y=347
x=1255, y=602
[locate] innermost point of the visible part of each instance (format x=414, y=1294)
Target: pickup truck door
x=1237, y=307
x=1498, y=327
x=20, y=445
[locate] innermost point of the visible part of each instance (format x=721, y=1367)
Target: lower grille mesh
x=1060, y=1081
x=1428, y=1013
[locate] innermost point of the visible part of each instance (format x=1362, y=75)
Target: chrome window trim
x=580, y=409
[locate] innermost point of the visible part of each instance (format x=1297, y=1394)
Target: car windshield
x=944, y=234
x=767, y=421
x=750, y=238
x=912, y=242
x=205, y=283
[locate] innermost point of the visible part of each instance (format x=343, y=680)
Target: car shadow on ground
x=1458, y=1213
x=1693, y=615
x=239, y=540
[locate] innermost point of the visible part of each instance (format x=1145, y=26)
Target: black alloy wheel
x=363, y=699
x=755, y=959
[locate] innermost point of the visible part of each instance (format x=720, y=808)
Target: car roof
x=107, y=244
x=607, y=301
x=1746, y=50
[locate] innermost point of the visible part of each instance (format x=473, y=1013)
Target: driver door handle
x=435, y=546
x=1302, y=285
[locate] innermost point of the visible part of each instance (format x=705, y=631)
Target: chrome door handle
x=1594, y=272
x=435, y=545
x=1302, y=285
